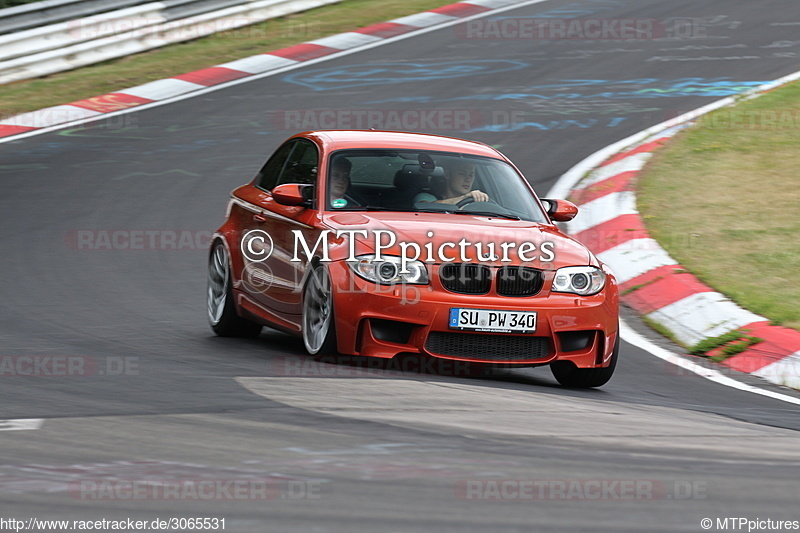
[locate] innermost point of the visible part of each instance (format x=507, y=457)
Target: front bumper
x=384, y=321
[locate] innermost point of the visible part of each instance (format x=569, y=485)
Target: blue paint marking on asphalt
x=646, y=88
x=390, y=73
x=550, y=125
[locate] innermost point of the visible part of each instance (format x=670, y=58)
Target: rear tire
x=222, y=314
x=319, y=326
x=568, y=375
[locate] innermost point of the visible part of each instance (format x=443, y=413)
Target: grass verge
x=723, y=198
x=110, y=76
x=726, y=345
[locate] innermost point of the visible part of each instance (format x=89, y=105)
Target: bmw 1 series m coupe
x=377, y=244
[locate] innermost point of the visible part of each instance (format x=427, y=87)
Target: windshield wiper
x=424, y=210
x=445, y=211
x=391, y=209
x=374, y=208
x=488, y=214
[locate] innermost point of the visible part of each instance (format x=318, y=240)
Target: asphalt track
x=159, y=398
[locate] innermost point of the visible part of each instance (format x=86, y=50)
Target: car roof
x=354, y=139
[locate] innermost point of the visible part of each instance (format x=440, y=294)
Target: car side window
x=301, y=166
x=271, y=171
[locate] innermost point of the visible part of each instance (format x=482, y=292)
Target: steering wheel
x=470, y=200
x=465, y=201
x=354, y=201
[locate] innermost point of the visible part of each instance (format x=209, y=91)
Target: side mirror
x=560, y=210
x=292, y=194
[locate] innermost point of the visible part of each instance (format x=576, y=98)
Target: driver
x=459, y=177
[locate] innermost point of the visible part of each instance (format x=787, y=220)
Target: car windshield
x=392, y=180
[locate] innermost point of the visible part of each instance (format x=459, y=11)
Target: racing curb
x=650, y=281
x=242, y=68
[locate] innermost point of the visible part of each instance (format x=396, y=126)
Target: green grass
x=723, y=198
x=731, y=343
x=175, y=59
x=735, y=347
x=663, y=330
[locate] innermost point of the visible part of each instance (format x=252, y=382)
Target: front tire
x=222, y=314
x=319, y=329
x=568, y=375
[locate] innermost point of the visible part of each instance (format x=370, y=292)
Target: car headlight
x=583, y=280
x=389, y=270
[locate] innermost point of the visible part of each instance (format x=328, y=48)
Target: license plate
x=493, y=320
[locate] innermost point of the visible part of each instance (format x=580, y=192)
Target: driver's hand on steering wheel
x=477, y=196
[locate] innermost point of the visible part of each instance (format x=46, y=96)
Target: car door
x=274, y=278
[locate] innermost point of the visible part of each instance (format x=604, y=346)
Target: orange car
x=380, y=243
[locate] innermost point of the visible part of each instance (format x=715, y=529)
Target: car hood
x=439, y=237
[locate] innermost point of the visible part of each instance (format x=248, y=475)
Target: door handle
x=259, y=218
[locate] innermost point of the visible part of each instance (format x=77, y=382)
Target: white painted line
x=603, y=209
x=50, y=116
x=784, y=372
x=161, y=89
x=21, y=424
x=634, y=258
x=667, y=133
x=258, y=64
x=634, y=338
x=424, y=20
x=630, y=164
x=758, y=91
x=343, y=41
x=703, y=315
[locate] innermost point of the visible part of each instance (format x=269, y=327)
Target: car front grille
x=519, y=281
x=488, y=347
x=470, y=278
x=466, y=278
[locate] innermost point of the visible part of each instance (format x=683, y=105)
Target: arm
x=477, y=196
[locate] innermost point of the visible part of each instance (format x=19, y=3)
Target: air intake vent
x=519, y=281
x=488, y=347
x=465, y=278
